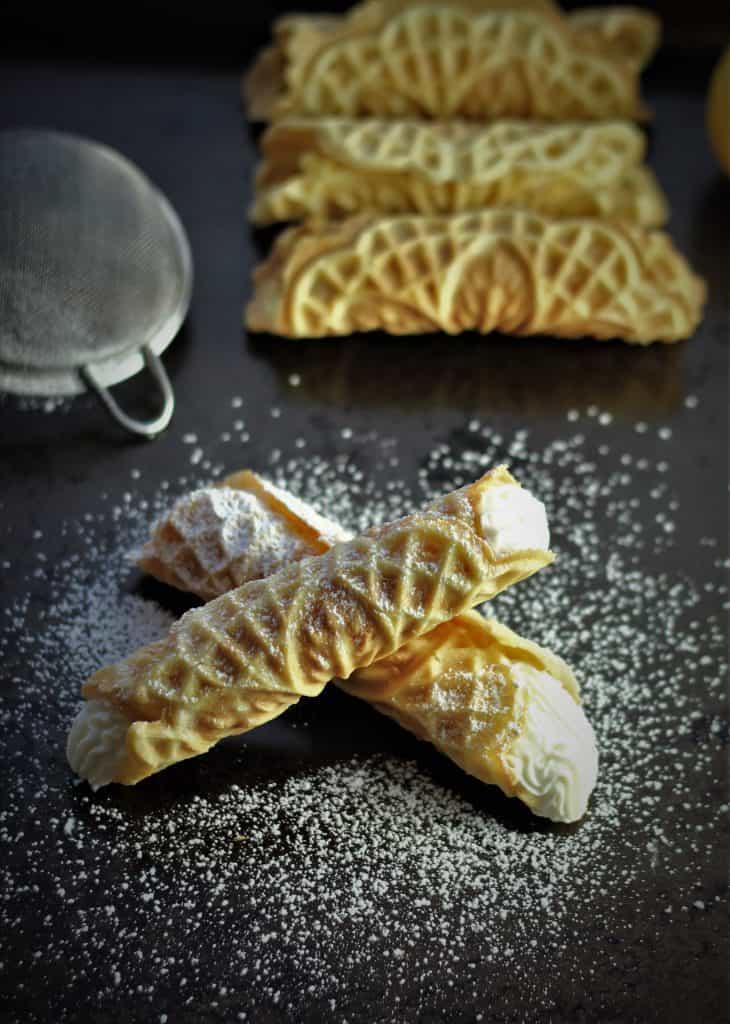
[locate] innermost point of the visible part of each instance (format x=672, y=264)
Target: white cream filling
x=95, y=745
x=512, y=519
x=554, y=760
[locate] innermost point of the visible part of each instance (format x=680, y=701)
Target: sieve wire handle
x=145, y=428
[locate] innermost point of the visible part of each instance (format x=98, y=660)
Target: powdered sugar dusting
x=331, y=533
x=221, y=537
x=327, y=859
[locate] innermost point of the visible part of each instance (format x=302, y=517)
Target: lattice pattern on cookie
x=619, y=32
x=442, y=60
x=335, y=167
x=257, y=649
x=457, y=150
x=499, y=269
x=453, y=686
x=218, y=538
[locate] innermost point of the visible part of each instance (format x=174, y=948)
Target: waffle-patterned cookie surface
x=335, y=167
x=460, y=686
x=510, y=270
x=454, y=687
x=443, y=60
x=219, y=538
x=241, y=659
x=623, y=32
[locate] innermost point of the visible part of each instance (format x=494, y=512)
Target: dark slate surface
x=182, y=124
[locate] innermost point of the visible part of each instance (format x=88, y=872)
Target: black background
x=232, y=31
x=161, y=85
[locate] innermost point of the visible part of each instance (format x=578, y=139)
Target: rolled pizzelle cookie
x=445, y=59
x=502, y=708
x=245, y=657
x=502, y=269
x=334, y=167
x=218, y=538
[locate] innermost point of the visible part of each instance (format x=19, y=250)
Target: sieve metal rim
x=142, y=352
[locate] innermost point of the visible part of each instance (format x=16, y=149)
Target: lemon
x=718, y=110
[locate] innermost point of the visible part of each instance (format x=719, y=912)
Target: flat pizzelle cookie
x=335, y=167
x=510, y=270
x=245, y=657
x=504, y=709
x=443, y=59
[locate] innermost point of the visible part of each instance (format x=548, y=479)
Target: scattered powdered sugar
x=315, y=868
x=39, y=403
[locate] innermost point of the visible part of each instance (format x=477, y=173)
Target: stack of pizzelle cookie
x=463, y=165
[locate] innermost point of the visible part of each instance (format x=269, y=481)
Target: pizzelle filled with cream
x=501, y=707
x=245, y=657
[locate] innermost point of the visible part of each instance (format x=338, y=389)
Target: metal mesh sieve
x=95, y=271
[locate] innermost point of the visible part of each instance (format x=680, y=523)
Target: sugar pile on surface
x=301, y=876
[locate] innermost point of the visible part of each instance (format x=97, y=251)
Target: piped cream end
x=512, y=519
x=96, y=742
x=554, y=760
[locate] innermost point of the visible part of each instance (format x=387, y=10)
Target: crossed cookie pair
x=298, y=602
